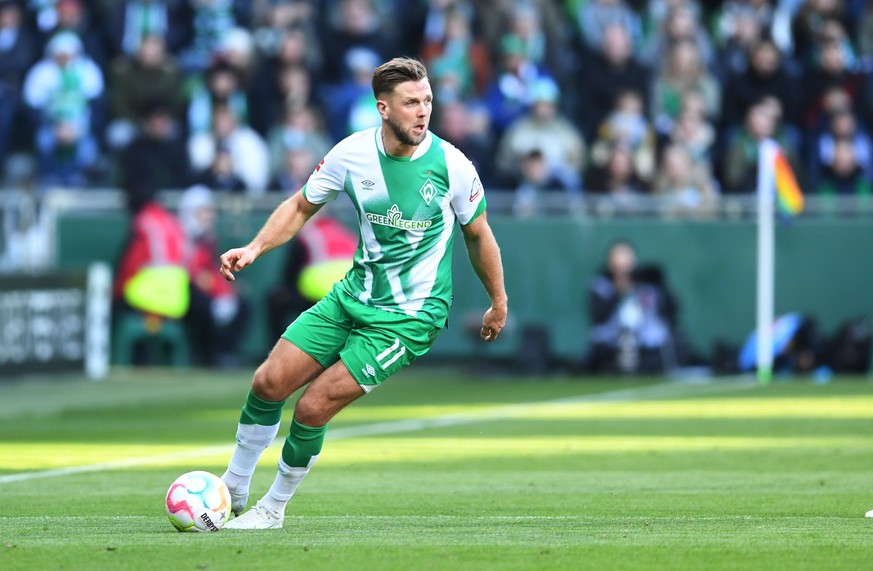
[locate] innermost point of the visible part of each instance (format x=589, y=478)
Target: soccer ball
x=198, y=501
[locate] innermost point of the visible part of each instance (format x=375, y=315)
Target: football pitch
x=441, y=470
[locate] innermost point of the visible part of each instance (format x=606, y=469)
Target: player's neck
x=393, y=147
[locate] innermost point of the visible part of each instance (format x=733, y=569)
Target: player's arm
x=282, y=225
x=485, y=258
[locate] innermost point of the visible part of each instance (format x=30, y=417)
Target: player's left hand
x=493, y=322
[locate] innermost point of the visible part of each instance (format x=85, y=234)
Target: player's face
x=407, y=111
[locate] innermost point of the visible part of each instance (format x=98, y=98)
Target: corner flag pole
x=766, y=157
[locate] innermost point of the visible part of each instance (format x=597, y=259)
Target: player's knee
x=311, y=410
x=268, y=383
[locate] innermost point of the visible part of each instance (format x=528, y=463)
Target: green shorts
x=372, y=343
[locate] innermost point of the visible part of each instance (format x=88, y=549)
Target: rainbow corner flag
x=788, y=194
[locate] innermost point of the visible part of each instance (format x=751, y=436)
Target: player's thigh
x=322, y=330
x=375, y=352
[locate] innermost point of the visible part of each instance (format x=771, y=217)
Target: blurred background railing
x=550, y=255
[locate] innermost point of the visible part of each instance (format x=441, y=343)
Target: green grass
x=438, y=470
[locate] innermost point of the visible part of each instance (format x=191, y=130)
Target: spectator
x=297, y=163
x=75, y=18
x=843, y=174
x=222, y=87
x=468, y=127
x=831, y=73
x=18, y=52
x=275, y=20
x=610, y=72
x=659, y=10
x=237, y=50
x=286, y=74
x=681, y=26
x=350, y=105
x=222, y=175
x=618, y=179
x=45, y=14
x=545, y=129
x=633, y=317
x=247, y=151
x=211, y=20
x=535, y=179
x=511, y=93
x=60, y=88
x=540, y=26
x=459, y=64
x=150, y=75
x=685, y=186
x=766, y=75
x=157, y=155
x=300, y=129
x=135, y=20
x=318, y=256
x=595, y=16
x=627, y=128
x=151, y=277
x=742, y=24
x=683, y=72
x=694, y=133
x=354, y=24
x=740, y=172
x=809, y=23
x=842, y=127
x=217, y=316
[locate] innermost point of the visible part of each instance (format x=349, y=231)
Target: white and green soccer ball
x=198, y=501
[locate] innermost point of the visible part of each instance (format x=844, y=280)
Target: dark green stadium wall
x=823, y=268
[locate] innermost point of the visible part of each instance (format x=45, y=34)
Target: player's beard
x=405, y=137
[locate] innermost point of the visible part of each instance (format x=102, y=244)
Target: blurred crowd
x=623, y=98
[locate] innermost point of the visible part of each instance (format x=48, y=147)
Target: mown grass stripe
x=669, y=389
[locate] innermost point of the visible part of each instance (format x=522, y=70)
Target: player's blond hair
x=396, y=71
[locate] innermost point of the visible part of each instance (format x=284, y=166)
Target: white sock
x=284, y=486
x=251, y=441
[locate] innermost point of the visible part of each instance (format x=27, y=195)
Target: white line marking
x=655, y=392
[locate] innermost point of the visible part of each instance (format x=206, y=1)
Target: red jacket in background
x=156, y=239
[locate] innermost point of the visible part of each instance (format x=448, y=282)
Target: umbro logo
x=369, y=371
x=368, y=184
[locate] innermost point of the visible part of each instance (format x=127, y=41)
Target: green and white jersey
x=407, y=208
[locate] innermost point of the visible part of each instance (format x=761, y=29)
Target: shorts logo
x=368, y=184
x=387, y=357
x=369, y=371
x=427, y=191
x=394, y=218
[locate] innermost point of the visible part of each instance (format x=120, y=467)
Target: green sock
x=260, y=411
x=302, y=443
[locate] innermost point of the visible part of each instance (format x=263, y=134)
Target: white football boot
x=259, y=517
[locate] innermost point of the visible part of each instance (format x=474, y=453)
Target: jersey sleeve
x=468, y=195
x=326, y=181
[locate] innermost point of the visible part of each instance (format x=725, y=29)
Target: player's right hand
x=235, y=260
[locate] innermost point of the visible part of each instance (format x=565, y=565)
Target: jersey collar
x=420, y=151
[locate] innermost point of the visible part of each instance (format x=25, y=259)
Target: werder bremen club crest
x=427, y=191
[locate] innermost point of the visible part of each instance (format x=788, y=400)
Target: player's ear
x=382, y=108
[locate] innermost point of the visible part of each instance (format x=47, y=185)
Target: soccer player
x=409, y=188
